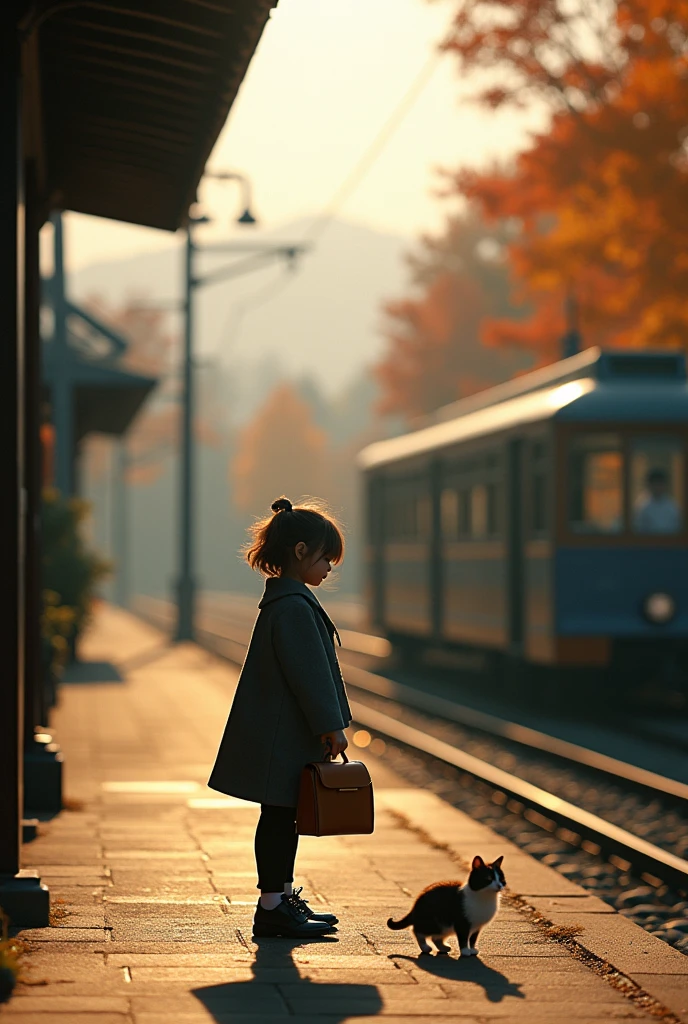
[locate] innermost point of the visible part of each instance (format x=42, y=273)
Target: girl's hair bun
x=281, y=505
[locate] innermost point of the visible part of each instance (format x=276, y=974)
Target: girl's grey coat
x=290, y=692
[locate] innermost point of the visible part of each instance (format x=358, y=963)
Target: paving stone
x=203, y=1016
x=55, y=882
x=570, y=905
x=75, y=871
x=60, y=934
x=160, y=976
x=71, y=1004
x=248, y=997
x=629, y=948
x=48, y=1015
x=303, y=958
x=669, y=989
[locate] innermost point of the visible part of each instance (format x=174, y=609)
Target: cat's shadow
x=468, y=969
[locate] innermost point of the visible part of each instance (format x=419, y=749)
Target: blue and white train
x=543, y=520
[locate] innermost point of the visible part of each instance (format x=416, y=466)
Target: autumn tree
x=153, y=436
x=149, y=346
x=280, y=451
x=600, y=199
x=435, y=354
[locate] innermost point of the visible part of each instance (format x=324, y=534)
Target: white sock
x=270, y=900
x=288, y=888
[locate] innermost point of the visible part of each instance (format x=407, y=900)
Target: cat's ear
x=498, y=863
x=478, y=862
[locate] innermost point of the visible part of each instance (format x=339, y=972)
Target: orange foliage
x=152, y=436
x=281, y=451
x=601, y=199
x=435, y=354
x=417, y=376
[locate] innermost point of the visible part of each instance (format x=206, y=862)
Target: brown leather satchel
x=335, y=799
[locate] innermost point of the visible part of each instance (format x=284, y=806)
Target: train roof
x=594, y=385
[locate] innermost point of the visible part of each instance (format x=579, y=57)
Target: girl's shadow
x=277, y=986
x=471, y=969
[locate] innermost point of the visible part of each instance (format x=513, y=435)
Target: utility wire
x=376, y=147
x=351, y=182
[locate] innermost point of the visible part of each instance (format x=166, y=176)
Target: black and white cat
x=447, y=908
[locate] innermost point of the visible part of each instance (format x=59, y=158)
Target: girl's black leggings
x=276, y=843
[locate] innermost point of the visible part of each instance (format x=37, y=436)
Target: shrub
x=10, y=951
x=70, y=573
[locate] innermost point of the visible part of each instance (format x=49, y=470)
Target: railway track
x=431, y=737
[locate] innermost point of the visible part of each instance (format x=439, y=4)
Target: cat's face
x=486, y=876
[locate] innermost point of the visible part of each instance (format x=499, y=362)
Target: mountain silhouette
x=322, y=323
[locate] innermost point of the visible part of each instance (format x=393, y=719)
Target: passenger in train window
x=656, y=510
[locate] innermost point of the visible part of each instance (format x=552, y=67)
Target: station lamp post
x=259, y=254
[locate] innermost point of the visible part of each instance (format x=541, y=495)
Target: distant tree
x=280, y=451
x=153, y=436
x=435, y=352
x=148, y=352
x=600, y=198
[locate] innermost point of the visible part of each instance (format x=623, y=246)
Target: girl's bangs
x=333, y=543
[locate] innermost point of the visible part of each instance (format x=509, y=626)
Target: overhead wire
x=350, y=183
x=377, y=146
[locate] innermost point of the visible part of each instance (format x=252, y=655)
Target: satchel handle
x=345, y=759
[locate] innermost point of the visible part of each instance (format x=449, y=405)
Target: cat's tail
x=398, y=925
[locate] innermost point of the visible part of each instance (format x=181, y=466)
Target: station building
x=109, y=109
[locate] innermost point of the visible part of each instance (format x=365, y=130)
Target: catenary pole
x=186, y=584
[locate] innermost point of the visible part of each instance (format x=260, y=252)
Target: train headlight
x=659, y=608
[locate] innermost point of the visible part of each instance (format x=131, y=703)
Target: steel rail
x=525, y=736
x=641, y=855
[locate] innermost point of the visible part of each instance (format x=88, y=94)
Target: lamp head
x=246, y=217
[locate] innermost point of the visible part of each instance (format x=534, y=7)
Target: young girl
x=290, y=705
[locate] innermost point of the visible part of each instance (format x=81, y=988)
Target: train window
x=539, y=470
x=479, y=510
x=449, y=512
x=464, y=497
x=538, y=501
x=656, y=486
x=423, y=523
x=596, y=482
x=493, y=518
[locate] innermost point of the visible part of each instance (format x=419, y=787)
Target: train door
x=514, y=534
x=436, y=570
x=375, y=552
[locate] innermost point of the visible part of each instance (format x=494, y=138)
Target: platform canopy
x=106, y=399
x=127, y=98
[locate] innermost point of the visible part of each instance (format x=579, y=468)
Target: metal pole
x=35, y=710
x=63, y=413
x=571, y=342
x=186, y=584
x=22, y=897
x=120, y=525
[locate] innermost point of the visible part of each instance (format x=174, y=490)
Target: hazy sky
x=325, y=79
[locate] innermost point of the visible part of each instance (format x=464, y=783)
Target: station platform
x=152, y=885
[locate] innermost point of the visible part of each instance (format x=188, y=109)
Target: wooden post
x=22, y=896
x=11, y=325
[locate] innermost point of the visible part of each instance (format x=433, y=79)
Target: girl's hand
x=335, y=742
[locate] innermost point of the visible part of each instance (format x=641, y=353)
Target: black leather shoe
x=288, y=922
x=297, y=899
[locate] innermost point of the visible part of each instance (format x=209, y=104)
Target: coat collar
x=277, y=587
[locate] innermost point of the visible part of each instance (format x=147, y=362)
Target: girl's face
x=311, y=568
